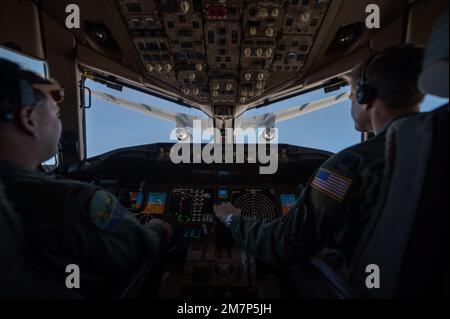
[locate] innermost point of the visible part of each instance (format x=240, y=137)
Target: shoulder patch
x=106, y=212
x=331, y=184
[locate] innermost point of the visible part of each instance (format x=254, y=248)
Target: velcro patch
x=106, y=212
x=331, y=184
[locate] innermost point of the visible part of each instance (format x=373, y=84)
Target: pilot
x=65, y=222
x=335, y=206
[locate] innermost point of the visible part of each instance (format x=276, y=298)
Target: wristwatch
x=229, y=219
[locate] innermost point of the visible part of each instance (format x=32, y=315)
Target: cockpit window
x=330, y=128
x=432, y=102
x=111, y=125
x=26, y=62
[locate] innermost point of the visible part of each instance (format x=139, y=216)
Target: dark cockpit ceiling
x=227, y=56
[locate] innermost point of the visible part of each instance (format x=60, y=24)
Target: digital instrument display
x=156, y=203
x=192, y=205
x=256, y=203
x=222, y=193
x=287, y=202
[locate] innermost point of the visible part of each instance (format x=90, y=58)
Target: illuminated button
x=196, y=91
x=229, y=87
x=150, y=67
x=259, y=92
x=243, y=99
x=215, y=93
x=186, y=91
x=251, y=93
x=247, y=51
x=185, y=6
x=263, y=12
x=253, y=31
x=305, y=16
x=260, y=76
x=136, y=22
x=248, y=76
x=244, y=93
x=260, y=85
x=159, y=67
x=275, y=12
x=216, y=86
x=270, y=32
x=168, y=67
x=192, y=76
x=259, y=52
x=150, y=21
x=269, y=52
x=199, y=67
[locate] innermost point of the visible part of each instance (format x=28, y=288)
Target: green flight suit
x=330, y=216
x=69, y=222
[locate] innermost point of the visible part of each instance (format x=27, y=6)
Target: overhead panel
x=223, y=52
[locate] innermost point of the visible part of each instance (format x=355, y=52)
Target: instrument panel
x=203, y=261
x=223, y=53
x=192, y=205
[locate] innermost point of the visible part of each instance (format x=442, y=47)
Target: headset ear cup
x=365, y=94
x=26, y=93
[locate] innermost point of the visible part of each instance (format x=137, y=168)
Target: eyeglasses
x=55, y=90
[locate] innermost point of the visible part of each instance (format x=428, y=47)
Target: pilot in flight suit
x=330, y=216
x=65, y=222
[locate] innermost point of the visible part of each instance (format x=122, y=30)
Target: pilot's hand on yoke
x=225, y=209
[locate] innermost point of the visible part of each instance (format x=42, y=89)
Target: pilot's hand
x=166, y=227
x=225, y=209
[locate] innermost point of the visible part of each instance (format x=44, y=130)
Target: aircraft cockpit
x=175, y=106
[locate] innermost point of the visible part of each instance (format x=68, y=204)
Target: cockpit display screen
x=287, y=202
x=223, y=193
x=155, y=203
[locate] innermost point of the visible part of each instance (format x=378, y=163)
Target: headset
x=23, y=95
x=366, y=94
x=26, y=94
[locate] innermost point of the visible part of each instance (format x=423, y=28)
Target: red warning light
x=217, y=12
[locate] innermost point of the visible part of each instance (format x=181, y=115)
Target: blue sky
x=110, y=127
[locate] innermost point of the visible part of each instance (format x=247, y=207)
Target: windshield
x=329, y=129
x=25, y=62
x=110, y=126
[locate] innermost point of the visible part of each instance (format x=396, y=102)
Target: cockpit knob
x=185, y=6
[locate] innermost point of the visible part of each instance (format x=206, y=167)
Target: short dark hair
x=393, y=74
x=10, y=74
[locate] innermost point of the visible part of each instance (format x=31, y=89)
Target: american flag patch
x=332, y=184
